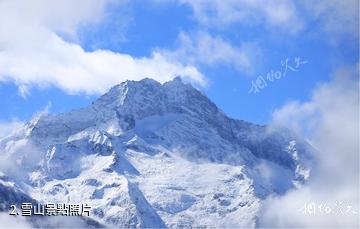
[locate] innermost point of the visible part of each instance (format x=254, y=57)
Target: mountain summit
x=147, y=154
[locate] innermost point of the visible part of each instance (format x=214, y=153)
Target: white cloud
x=64, y=16
x=337, y=17
x=279, y=13
x=31, y=52
x=23, y=91
x=331, y=121
x=6, y=127
x=8, y=221
x=203, y=49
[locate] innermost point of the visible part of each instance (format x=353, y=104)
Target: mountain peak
x=123, y=88
x=177, y=79
x=148, y=96
x=144, y=81
x=141, y=145
x=131, y=103
x=150, y=81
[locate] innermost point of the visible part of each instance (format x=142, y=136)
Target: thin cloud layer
x=221, y=13
x=201, y=48
x=336, y=17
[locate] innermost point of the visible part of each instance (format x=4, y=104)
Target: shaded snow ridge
x=147, y=154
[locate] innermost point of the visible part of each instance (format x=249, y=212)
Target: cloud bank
x=33, y=52
x=330, y=120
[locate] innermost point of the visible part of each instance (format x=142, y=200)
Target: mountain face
x=147, y=154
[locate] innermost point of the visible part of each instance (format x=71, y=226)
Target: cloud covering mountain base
x=330, y=120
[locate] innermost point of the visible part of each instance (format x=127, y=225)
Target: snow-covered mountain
x=147, y=154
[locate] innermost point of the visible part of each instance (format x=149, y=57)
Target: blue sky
x=63, y=56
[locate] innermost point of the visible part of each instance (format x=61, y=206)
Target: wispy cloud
x=32, y=52
x=23, y=91
x=337, y=17
x=280, y=13
x=201, y=48
x=6, y=127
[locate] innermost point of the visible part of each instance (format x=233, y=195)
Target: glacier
x=147, y=154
